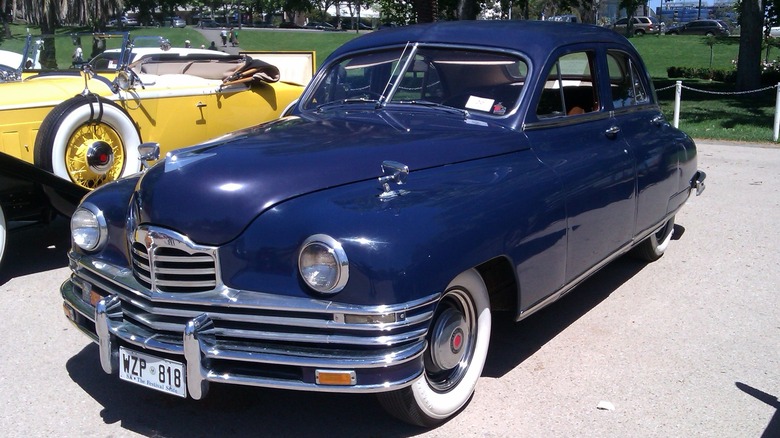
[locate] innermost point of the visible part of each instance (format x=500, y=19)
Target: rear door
x=655, y=144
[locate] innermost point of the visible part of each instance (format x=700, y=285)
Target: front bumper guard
x=199, y=342
x=697, y=182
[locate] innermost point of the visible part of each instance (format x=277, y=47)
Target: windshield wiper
x=429, y=104
x=348, y=101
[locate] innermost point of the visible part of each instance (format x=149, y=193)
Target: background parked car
x=321, y=25
x=641, y=25
x=208, y=23
x=174, y=22
x=123, y=22
x=71, y=134
x=700, y=27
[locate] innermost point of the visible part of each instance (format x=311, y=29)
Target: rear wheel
x=654, y=246
x=457, y=347
x=3, y=233
x=88, y=140
x=639, y=32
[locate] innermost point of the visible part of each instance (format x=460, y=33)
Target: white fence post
x=777, y=114
x=677, y=95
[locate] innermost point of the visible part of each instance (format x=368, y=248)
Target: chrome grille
x=166, y=261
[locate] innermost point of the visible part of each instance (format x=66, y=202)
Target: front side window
x=570, y=88
x=477, y=81
x=626, y=84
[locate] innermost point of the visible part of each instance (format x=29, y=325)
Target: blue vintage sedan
x=429, y=176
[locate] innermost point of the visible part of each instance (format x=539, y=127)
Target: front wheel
x=88, y=140
x=458, y=342
x=654, y=246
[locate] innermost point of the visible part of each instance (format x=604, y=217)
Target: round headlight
x=323, y=264
x=88, y=228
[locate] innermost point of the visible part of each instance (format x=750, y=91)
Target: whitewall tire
x=458, y=342
x=88, y=140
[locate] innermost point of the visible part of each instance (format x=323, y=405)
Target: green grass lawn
x=729, y=117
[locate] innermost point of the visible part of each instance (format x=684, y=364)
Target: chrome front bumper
x=221, y=339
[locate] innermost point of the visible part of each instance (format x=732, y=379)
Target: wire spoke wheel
x=94, y=155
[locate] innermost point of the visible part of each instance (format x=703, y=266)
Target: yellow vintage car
x=85, y=126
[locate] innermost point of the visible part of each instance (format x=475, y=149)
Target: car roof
x=536, y=38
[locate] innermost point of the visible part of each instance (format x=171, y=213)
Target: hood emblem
x=394, y=172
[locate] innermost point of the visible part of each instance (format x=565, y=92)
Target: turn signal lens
x=340, y=378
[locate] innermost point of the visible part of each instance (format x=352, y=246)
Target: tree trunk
x=48, y=26
x=5, y=12
x=749, y=59
x=468, y=9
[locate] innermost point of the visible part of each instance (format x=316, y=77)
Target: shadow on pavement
x=773, y=428
x=37, y=248
x=231, y=410
x=511, y=343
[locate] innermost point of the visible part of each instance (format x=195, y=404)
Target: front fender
x=444, y=221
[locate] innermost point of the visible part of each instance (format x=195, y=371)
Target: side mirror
x=148, y=152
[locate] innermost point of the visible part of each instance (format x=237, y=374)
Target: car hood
x=211, y=192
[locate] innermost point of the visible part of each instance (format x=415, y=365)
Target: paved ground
x=684, y=347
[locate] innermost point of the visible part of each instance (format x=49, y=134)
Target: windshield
x=478, y=81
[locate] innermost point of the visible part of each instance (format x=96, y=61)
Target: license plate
x=153, y=372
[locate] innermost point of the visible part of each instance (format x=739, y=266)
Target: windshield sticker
x=479, y=104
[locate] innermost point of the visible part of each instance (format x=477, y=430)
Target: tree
x=5, y=13
x=749, y=59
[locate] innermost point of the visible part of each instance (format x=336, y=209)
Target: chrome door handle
x=612, y=131
x=200, y=105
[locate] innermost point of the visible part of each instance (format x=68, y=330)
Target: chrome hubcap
x=449, y=338
x=100, y=157
x=451, y=341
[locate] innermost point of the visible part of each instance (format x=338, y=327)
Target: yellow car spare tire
x=88, y=140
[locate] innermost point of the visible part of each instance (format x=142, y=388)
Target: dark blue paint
x=552, y=198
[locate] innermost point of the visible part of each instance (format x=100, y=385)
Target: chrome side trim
x=574, y=283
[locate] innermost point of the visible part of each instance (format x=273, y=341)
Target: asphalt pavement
x=687, y=346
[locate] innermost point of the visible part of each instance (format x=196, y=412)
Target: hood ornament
x=394, y=172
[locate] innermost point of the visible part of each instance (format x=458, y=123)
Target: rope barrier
x=678, y=86
x=722, y=93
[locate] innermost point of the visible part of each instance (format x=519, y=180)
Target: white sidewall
x=113, y=117
x=660, y=247
x=443, y=405
x=3, y=233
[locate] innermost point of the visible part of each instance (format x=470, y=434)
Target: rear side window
x=570, y=87
x=625, y=82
